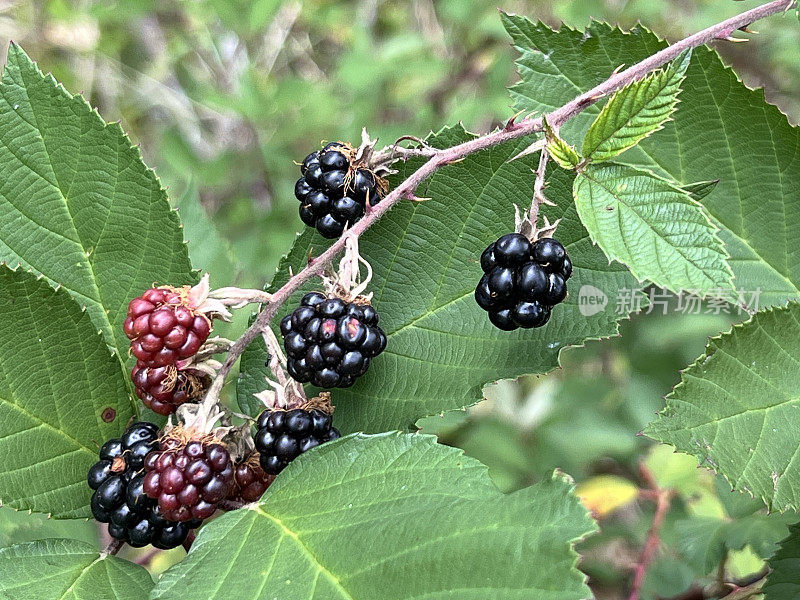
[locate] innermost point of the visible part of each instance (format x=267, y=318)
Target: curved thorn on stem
x=538, y=188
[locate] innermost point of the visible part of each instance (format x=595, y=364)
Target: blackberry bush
x=334, y=191
x=329, y=341
x=86, y=223
x=283, y=435
x=188, y=475
x=164, y=389
x=119, y=498
x=522, y=281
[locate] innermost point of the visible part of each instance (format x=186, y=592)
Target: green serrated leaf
x=441, y=347
x=57, y=378
x=699, y=190
x=736, y=408
x=77, y=204
x=392, y=515
x=636, y=111
x=706, y=541
x=783, y=582
x=653, y=227
x=560, y=151
x=720, y=130
x=17, y=526
x=69, y=570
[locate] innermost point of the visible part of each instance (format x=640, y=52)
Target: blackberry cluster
x=162, y=329
x=330, y=342
x=188, y=480
x=522, y=281
x=164, y=389
x=284, y=435
x=331, y=192
x=119, y=497
x=250, y=480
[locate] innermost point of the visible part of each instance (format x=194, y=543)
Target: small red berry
x=188, y=479
x=250, y=480
x=164, y=389
x=163, y=327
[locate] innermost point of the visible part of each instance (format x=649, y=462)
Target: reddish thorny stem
x=662, y=498
x=512, y=131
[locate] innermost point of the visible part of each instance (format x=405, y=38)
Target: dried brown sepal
x=360, y=300
x=360, y=159
x=322, y=403
x=526, y=227
x=178, y=436
x=239, y=442
x=193, y=384
x=282, y=397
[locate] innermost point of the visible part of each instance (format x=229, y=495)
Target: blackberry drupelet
x=283, y=435
x=333, y=192
x=522, y=281
x=119, y=498
x=330, y=342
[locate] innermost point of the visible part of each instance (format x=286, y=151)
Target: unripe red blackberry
x=283, y=435
x=333, y=191
x=330, y=342
x=522, y=281
x=164, y=389
x=250, y=480
x=188, y=475
x=164, y=326
x=119, y=499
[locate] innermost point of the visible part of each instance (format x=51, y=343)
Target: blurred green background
x=223, y=96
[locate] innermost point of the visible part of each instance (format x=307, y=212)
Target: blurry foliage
x=228, y=93
x=224, y=95
x=583, y=419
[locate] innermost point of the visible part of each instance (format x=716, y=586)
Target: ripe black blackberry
x=188, y=475
x=330, y=342
x=334, y=192
x=522, y=281
x=283, y=435
x=119, y=498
